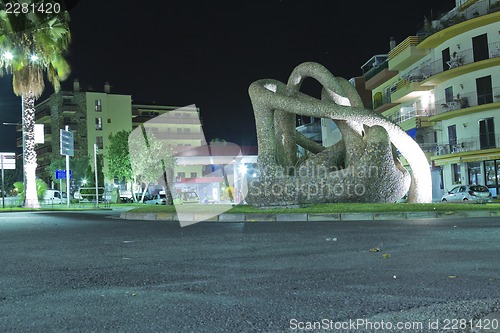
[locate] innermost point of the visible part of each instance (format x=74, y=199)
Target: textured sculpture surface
x=362, y=167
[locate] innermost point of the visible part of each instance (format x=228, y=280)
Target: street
x=92, y=272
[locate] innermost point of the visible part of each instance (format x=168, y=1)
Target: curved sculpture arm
x=307, y=143
x=268, y=95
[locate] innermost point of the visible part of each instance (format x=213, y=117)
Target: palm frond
x=46, y=35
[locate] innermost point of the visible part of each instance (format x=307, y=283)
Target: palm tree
x=32, y=44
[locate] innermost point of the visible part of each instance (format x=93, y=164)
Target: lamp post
x=24, y=174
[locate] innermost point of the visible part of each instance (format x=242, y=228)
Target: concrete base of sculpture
x=362, y=167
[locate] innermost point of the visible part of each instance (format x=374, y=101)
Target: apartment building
x=92, y=116
x=442, y=86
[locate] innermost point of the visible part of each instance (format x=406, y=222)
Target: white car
x=158, y=199
x=472, y=193
x=54, y=197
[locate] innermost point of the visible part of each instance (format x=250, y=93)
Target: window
x=448, y=93
x=179, y=130
x=455, y=169
x=186, y=130
x=474, y=170
x=487, y=133
x=98, y=124
x=181, y=174
x=452, y=137
x=446, y=58
x=98, y=106
x=99, y=142
x=193, y=174
x=491, y=173
x=484, y=90
x=109, y=120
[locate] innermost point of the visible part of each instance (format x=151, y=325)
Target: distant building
x=93, y=116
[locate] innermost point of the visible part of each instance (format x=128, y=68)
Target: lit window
x=98, y=106
x=98, y=124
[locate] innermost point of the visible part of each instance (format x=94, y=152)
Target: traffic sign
x=67, y=146
x=61, y=174
x=8, y=161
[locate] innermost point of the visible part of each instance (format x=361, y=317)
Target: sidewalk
x=256, y=217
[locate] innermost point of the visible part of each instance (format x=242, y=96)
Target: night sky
x=208, y=52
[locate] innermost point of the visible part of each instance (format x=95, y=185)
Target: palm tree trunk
x=29, y=153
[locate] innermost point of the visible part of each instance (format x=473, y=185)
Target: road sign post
x=7, y=162
x=67, y=147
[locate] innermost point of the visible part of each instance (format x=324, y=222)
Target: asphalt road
x=92, y=272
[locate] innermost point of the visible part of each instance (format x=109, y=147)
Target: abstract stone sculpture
x=362, y=167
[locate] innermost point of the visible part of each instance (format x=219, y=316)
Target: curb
x=313, y=217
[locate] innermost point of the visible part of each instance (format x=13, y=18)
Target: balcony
x=68, y=109
x=472, y=14
x=465, y=103
x=406, y=53
x=464, y=150
x=140, y=119
x=408, y=88
x=378, y=76
x=43, y=116
x=413, y=118
x=461, y=63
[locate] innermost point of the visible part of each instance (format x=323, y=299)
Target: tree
x=151, y=161
x=33, y=43
x=118, y=157
x=78, y=167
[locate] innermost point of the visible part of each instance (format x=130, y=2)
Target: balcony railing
x=465, y=100
x=462, y=145
x=462, y=101
x=404, y=116
x=468, y=11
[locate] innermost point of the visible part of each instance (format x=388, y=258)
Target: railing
x=429, y=69
x=403, y=116
x=406, y=80
x=409, y=41
x=464, y=100
x=458, y=59
x=374, y=71
x=464, y=13
x=462, y=145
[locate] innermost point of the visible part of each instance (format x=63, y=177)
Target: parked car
x=474, y=193
x=126, y=196
x=54, y=197
x=186, y=198
x=157, y=199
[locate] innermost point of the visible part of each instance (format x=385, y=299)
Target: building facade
x=93, y=116
x=442, y=86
